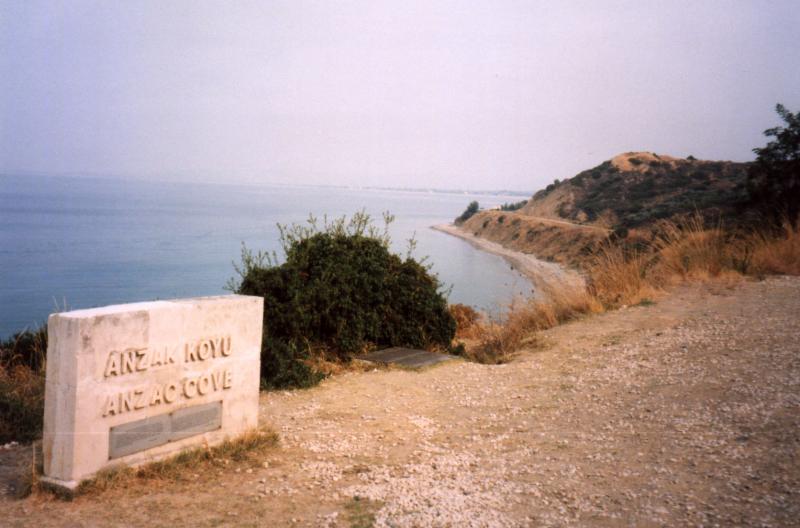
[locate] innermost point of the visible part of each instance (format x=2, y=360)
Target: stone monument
x=132, y=383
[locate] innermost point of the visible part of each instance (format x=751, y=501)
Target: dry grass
x=497, y=340
x=777, y=254
x=22, y=369
x=622, y=274
x=467, y=320
x=28, y=348
x=21, y=403
x=620, y=277
x=692, y=250
x=248, y=449
x=687, y=250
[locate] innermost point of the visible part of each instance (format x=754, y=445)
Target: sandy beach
x=543, y=275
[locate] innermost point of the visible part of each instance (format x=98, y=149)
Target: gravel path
x=686, y=412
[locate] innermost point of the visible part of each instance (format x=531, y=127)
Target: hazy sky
x=481, y=95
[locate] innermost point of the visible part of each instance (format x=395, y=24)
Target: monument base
x=60, y=487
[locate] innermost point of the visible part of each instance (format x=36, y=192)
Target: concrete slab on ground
x=406, y=357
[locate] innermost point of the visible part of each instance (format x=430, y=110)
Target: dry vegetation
x=22, y=361
x=247, y=450
x=630, y=272
x=494, y=340
x=778, y=255
x=552, y=240
x=639, y=188
x=21, y=403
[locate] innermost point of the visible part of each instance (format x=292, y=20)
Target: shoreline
x=543, y=275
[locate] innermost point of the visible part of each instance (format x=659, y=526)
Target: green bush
x=341, y=290
x=282, y=366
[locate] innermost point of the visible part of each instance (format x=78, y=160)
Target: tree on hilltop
x=773, y=181
x=468, y=213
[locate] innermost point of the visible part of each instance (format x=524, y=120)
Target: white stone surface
x=115, y=365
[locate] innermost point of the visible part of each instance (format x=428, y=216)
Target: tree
x=773, y=181
x=471, y=209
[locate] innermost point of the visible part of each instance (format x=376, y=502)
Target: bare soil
x=685, y=412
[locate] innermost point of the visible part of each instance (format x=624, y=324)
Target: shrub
x=341, y=291
x=468, y=213
x=689, y=249
x=513, y=206
x=619, y=275
x=21, y=404
x=27, y=348
x=22, y=361
x=466, y=317
x=620, y=233
x=283, y=366
x=777, y=254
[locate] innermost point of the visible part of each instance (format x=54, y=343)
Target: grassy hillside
x=637, y=188
x=567, y=222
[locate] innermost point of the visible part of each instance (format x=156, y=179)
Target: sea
x=71, y=242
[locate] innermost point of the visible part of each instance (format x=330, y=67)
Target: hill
x=636, y=188
x=567, y=221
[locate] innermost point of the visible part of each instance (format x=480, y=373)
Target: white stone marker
x=132, y=383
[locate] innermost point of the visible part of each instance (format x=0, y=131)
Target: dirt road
x=563, y=223
x=686, y=412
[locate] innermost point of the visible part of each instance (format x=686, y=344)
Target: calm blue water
x=93, y=242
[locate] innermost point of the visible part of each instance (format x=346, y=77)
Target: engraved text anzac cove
x=140, y=360
x=128, y=384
